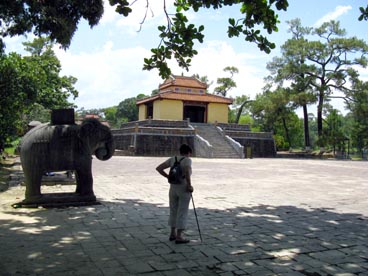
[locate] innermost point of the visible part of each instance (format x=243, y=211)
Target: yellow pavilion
x=182, y=98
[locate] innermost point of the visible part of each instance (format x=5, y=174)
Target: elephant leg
x=33, y=183
x=84, y=180
x=78, y=181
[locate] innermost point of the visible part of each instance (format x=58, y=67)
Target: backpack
x=176, y=174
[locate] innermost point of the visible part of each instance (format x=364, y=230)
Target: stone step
x=221, y=148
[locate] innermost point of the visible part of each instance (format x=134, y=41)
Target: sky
x=108, y=59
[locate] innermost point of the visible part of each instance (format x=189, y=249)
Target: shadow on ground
x=5, y=171
x=130, y=237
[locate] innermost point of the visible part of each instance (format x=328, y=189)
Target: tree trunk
x=286, y=131
x=319, y=119
x=240, y=111
x=306, y=127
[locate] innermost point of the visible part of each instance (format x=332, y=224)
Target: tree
x=37, y=113
x=325, y=64
x=54, y=90
x=155, y=92
x=333, y=129
x=110, y=116
x=30, y=82
x=225, y=84
x=18, y=87
x=291, y=67
x=359, y=111
x=59, y=20
x=203, y=79
x=56, y=19
x=333, y=62
x=240, y=102
x=364, y=13
x=127, y=110
x=246, y=119
x=272, y=111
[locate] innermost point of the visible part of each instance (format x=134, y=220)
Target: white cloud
x=339, y=10
x=216, y=55
x=108, y=76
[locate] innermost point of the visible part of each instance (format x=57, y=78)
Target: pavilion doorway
x=195, y=113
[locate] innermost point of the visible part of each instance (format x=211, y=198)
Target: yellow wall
x=142, y=112
x=217, y=112
x=168, y=110
x=173, y=110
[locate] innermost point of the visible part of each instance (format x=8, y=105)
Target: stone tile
x=177, y=272
x=160, y=249
x=262, y=225
x=139, y=267
x=351, y=267
x=186, y=264
x=162, y=266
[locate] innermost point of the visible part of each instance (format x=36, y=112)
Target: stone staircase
x=221, y=147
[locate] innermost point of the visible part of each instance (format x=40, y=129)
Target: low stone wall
x=246, y=134
x=123, y=141
x=154, y=137
x=256, y=147
x=164, y=137
x=256, y=144
x=161, y=145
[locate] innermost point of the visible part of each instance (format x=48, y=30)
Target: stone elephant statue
x=47, y=148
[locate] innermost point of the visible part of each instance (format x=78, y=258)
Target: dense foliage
x=56, y=19
x=30, y=86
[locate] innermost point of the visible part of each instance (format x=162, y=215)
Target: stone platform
x=257, y=217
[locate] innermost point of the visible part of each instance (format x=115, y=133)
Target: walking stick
x=195, y=213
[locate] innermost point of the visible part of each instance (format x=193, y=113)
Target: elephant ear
x=89, y=126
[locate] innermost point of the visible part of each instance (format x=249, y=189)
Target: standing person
x=179, y=194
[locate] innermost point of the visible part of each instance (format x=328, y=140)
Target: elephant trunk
x=106, y=152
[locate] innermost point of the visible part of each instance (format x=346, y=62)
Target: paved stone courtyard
x=257, y=217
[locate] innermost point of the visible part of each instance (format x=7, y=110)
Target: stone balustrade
x=236, y=145
x=202, y=147
x=154, y=131
x=233, y=127
x=157, y=123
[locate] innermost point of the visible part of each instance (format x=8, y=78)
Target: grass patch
x=10, y=148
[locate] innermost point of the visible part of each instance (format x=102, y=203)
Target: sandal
x=181, y=241
x=172, y=238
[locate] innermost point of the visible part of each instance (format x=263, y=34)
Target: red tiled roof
x=190, y=97
x=79, y=120
x=92, y=116
x=184, y=82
